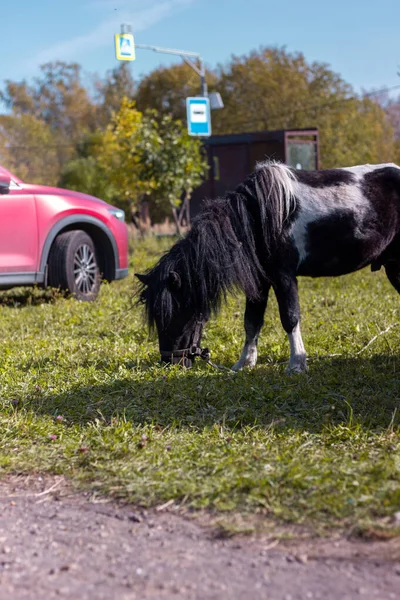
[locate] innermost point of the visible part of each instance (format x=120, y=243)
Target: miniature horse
x=278, y=224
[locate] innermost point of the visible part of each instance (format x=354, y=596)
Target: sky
x=359, y=39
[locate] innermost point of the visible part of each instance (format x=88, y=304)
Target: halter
x=192, y=351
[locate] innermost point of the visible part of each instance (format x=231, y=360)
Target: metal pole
x=188, y=58
x=203, y=83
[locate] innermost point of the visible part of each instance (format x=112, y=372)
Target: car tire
x=73, y=265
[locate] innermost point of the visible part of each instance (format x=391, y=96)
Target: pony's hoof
x=296, y=369
x=237, y=367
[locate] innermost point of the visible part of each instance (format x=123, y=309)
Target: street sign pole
x=198, y=109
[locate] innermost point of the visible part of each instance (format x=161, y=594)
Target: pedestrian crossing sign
x=124, y=46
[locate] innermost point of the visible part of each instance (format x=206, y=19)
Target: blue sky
x=358, y=38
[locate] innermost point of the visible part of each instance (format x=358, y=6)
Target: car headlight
x=118, y=213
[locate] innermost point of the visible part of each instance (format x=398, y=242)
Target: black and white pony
x=278, y=224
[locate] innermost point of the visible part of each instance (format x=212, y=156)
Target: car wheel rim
x=85, y=270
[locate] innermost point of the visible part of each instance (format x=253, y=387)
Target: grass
x=82, y=395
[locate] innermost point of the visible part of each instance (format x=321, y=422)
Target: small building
x=232, y=157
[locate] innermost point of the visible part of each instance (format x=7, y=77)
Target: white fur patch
x=316, y=203
x=297, y=361
x=361, y=170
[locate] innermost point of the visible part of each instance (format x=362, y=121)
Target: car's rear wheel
x=73, y=265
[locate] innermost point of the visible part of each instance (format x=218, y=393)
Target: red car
x=50, y=236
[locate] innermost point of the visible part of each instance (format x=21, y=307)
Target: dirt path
x=57, y=544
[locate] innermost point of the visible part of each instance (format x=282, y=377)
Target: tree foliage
x=58, y=114
x=103, y=138
x=117, y=84
x=139, y=157
x=356, y=132
x=84, y=173
x=117, y=154
x=145, y=156
x=272, y=89
x=27, y=148
x=49, y=116
x=166, y=89
x=171, y=162
x=58, y=98
x=391, y=107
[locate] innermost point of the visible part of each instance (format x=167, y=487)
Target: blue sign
x=198, y=116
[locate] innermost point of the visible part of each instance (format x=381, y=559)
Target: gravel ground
x=56, y=543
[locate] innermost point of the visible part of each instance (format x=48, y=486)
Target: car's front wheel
x=73, y=265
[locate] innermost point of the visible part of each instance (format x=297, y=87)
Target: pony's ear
x=142, y=278
x=174, y=280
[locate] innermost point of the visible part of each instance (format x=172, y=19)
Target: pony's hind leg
x=253, y=321
x=392, y=269
x=289, y=309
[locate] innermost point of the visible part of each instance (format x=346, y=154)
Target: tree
x=140, y=158
x=117, y=154
x=166, y=89
x=356, y=132
x=28, y=149
x=117, y=84
x=85, y=173
x=54, y=121
x=57, y=97
x=106, y=161
x=272, y=89
x=171, y=163
x=59, y=101
x=391, y=107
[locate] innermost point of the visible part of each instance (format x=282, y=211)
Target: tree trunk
x=184, y=212
x=177, y=220
x=144, y=217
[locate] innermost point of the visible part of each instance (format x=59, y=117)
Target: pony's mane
x=220, y=254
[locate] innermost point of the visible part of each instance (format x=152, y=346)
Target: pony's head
x=220, y=254
x=168, y=299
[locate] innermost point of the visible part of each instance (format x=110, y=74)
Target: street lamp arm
x=168, y=50
x=187, y=57
x=200, y=72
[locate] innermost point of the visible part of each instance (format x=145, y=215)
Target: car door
x=18, y=231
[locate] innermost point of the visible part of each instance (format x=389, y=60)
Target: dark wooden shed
x=232, y=157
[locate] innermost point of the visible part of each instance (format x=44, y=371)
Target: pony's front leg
x=253, y=321
x=289, y=309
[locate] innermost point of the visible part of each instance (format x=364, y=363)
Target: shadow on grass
x=336, y=390
x=30, y=296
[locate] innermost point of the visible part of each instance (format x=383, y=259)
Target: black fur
x=326, y=178
x=333, y=249
x=226, y=249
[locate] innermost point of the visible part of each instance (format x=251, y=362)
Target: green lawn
x=81, y=394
